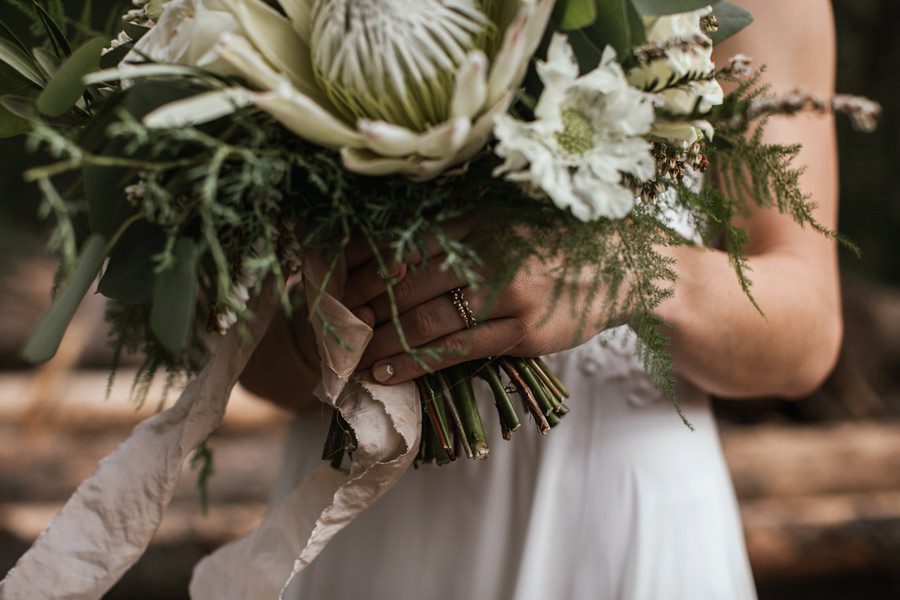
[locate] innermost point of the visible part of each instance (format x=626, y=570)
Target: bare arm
x=719, y=339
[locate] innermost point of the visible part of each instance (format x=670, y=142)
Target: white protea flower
x=680, y=61
x=398, y=86
x=586, y=136
x=186, y=33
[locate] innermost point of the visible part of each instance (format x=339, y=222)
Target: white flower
x=587, y=134
x=398, y=86
x=186, y=34
x=680, y=61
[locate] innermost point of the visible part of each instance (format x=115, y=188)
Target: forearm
x=725, y=346
x=282, y=371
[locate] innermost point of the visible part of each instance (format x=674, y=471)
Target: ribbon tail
x=107, y=524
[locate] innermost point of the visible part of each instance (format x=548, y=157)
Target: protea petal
x=470, y=89
x=509, y=59
x=198, y=109
x=302, y=115
x=446, y=139
x=298, y=13
x=275, y=38
x=367, y=163
x=388, y=139
x=534, y=30
x=482, y=128
x=243, y=57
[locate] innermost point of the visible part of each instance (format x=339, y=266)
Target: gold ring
x=462, y=307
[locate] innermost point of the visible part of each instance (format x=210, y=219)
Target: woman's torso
x=621, y=500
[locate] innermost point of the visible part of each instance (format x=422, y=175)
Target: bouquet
x=218, y=155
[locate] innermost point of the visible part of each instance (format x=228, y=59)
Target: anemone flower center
x=394, y=60
x=577, y=134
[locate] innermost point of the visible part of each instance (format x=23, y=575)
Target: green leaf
x=45, y=339
x=104, y=187
x=21, y=106
x=4, y=28
x=618, y=24
x=670, y=7
x=46, y=60
x=66, y=87
x=115, y=56
x=12, y=125
x=175, y=298
x=578, y=14
x=130, y=274
x=57, y=37
x=135, y=32
x=23, y=64
x=732, y=18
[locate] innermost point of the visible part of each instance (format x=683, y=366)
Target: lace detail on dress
x=611, y=356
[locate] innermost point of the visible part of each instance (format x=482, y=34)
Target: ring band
x=462, y=307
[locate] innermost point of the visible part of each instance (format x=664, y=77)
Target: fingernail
x=383, y=372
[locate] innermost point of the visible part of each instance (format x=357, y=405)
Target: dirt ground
x=821, y=504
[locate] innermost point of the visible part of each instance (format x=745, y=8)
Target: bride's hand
x=518, y=323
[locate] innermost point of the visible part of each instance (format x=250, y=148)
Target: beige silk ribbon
x=386, y=424
x=107, y=524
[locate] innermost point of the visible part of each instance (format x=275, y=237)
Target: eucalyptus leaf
x=135, y=32
x=578, y=14
x=732, y=19
x=21, y=106
x=618, y=24
x=104, y=187
x=67, y=86
x=670, y=7
x=175, y=298
x=46, y=60
x=10, y=35
x=12, y=125
x=115, y=56
x=20, y=62
x=56, y=35
x=45, y=339
x=129, y=275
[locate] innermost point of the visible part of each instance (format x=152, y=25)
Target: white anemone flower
x=586, y=139
x=679, y=62
x=398, y=86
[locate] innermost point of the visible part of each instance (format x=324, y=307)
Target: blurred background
x=818, y=479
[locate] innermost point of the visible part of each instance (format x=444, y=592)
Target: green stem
x=440, y=405
x=545, y=379
x=457, y=420
x=525, y=392
x=508, y=416
x=464, y=397
x=556, y=382
x=442, y=445
x=528, y=375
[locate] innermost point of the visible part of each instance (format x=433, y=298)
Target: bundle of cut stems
x=451, y=419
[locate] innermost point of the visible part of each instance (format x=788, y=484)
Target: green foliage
x=732, y=19
x=202, y=461
x=577, y=14
x=175, y=297
x=49, y=332
x=66, y=87
x=670, y=7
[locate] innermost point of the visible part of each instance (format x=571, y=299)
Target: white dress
x=620, y=501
